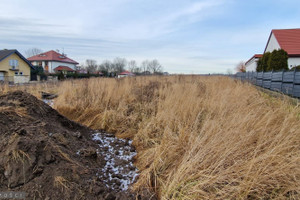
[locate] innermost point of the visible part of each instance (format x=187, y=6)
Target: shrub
x=262, y=64
x=275, y=61
x=278, y=60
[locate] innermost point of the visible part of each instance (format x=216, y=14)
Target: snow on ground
x=49, y=102
x=119, y=171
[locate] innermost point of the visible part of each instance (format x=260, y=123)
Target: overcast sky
x=186, y=36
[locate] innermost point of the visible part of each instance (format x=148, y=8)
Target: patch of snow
x=119, y=171
x=49, y=102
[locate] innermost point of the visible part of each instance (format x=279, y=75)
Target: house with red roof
x=53, y=62
x=125, y=74
x=251, y=64
x=286, y=39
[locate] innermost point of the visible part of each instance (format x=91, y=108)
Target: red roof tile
x=52, y=56
x=63, y=68
x=126, y=73
x=289, y=40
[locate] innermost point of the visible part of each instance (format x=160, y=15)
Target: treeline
x=118, y=65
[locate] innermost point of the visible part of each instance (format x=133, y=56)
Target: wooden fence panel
x=259, y=75
x=255, y=75
x=266, y=84
x=259, y=82
x=267, y=76
x=296, y=91
x=276, y=86
x=288, y=77
x=297, y=78
x=287, y=88
x=277, y=76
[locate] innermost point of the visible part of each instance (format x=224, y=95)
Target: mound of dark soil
x=48, y=156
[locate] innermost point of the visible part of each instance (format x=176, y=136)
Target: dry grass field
x=196, y=137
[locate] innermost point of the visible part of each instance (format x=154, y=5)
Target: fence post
x=256, y=78
x=294, y=80
x=262, y=80
x=272, y=75
x=282, y=80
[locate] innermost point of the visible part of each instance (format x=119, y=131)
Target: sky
x=185, y=36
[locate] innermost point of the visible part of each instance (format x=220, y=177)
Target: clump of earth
x=49, y=157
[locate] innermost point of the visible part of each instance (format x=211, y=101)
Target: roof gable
x=288, y=40
x=254, y=57
x=52, y=56
x=6, y=53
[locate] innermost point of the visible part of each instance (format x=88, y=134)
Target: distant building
x=125, y=74
x=14, y=67
x=64, y=69
x=53, y=61
x=251, y=64
x=286, y=39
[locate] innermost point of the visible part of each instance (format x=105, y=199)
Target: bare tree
x=119, y=64
x=154, y=66
x=137, y=70
x=144, y=66
x=132, y=65
x=241, y=67
x=32, y=52
x=91, y=65
x=105, y=66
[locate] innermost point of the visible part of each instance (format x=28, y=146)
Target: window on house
x=21, y=73
x=16, y=73
x=14, y=63
x=40, y=64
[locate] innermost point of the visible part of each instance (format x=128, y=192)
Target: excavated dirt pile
x=48, y=156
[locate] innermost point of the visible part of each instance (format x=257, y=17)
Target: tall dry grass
x=197, y=137
x=34, y=89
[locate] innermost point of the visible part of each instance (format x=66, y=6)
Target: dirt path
x=50, y=157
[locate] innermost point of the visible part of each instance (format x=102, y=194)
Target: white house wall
x=251, y=65
x=273, y=44
x=292, y=62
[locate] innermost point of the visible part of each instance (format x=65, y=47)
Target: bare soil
x=48, y=156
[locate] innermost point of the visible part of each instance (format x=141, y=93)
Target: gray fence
x=286, y=82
